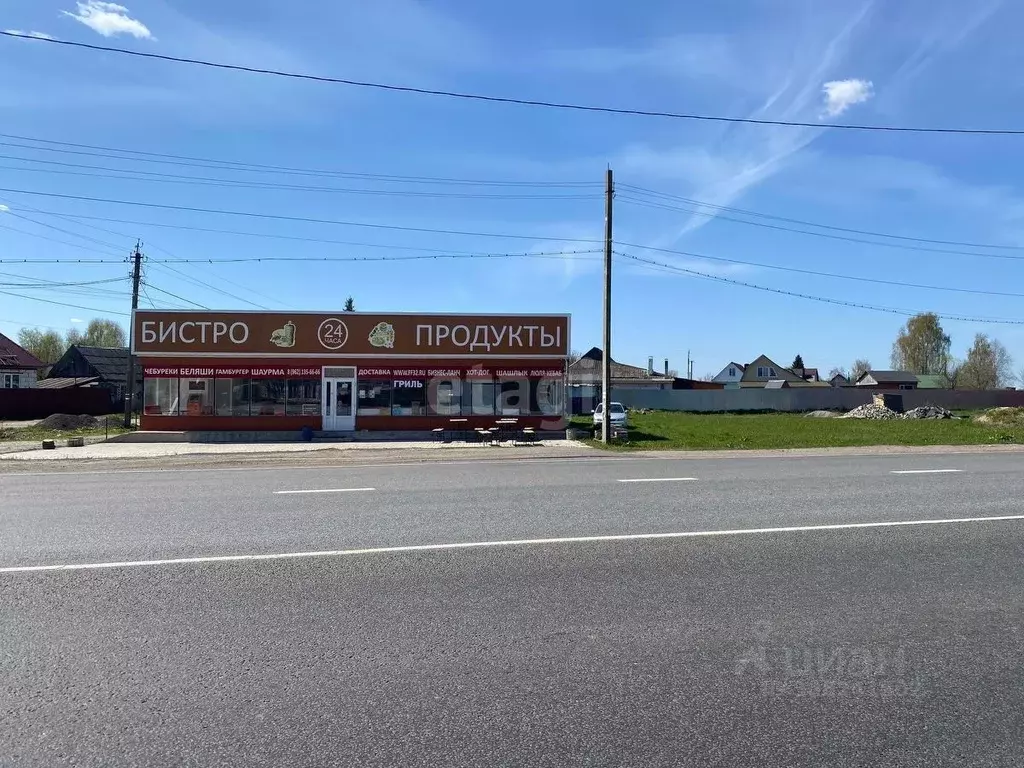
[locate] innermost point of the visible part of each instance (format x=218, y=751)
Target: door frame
x=331, y=421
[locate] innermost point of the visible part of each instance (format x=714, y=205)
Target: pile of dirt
x=65, y=422
x=870, y=411
x=928, y=412
x=1002, y=417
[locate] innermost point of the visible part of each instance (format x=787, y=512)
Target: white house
x=730, y=376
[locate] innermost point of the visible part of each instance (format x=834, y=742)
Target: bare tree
x=1020, y=378
x=708, y=377
x=988, y=365
x=574, y=356
x=837, y=371
x=859, y=366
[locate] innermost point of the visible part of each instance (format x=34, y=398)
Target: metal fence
x=798, y=400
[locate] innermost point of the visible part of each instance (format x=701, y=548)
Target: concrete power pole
x=606, y=362
x=129, y=384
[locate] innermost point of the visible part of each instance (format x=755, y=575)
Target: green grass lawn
x=664, y=430
x=14, y=434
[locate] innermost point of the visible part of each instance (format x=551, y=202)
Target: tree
x=46, y=345
x=859, y=367
x=798, y=363
x=837, y=372
x=922, y=346
x=1020, y=378
x=987, y=366
x=99, y=333
x=574, y=356
x=350, y=304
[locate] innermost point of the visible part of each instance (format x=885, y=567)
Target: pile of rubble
x=928, y=412
x=873, y=411
x=870, y=411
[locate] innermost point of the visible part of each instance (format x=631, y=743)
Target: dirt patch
x=65, y=422
x=1002, y=417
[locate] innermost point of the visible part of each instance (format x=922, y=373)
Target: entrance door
x=338, y=409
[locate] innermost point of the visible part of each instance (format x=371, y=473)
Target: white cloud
x=4, y=208
x=109, y=19
x=840, y=95
x=77, y=320
x=33, y=33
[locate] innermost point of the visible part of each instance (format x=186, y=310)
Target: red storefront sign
x=311, y=372
x=230, y=372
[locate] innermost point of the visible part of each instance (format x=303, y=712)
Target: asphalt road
x=802, y=643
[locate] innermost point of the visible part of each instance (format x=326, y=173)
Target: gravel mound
x=822, y=415
x=66, y=422
x=870, y=411
x=928, y=412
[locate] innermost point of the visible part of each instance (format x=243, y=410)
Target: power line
x=176, y=296
x=844, y=238
x=262, y=235
x=815, y=273
x=508, y=99
x=40, y=283
x=59, y=229
x=303, y=219
x=116, y=153
x=840, y=302
x=157, y=247
x=204, y=181
x=194, y=281
x=745, y=212
x=63, y=304
x=50, y=239
x=571, y=255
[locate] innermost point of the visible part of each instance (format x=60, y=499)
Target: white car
x=617, y=415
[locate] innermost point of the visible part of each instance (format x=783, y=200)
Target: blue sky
x=917, y=62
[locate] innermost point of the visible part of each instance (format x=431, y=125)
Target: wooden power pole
x=606, y=362
x=129, y=383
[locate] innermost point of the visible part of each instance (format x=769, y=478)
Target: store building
x=237, y=370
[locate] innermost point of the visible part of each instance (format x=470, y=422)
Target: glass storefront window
x=374, y=398
x=513, y=397
x=303, y=397
x=195, y=396
x=547, y=397
x=232, y=397
x=478, y=398
x=444, y=397
x=269, y=397
x=160, y=397
x=409, y=397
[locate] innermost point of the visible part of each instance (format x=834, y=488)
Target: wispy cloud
x=77, y=320
x=4, y=208
x=840, y=95
x=40, y=35
x=109, y=19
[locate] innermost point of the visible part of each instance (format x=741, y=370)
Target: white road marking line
x=506, y=543
x=425, y=463
x=923, y=471
x=330, y=490
x=655, y=479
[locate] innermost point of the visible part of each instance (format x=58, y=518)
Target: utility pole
x=606, y=362
x=129, y=384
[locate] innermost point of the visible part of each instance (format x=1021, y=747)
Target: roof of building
x=591, y=362
x=932, y=381
x=15, y=356
x=777, y=384
x=66, y=382
x=841, y=377
x=890, y=377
